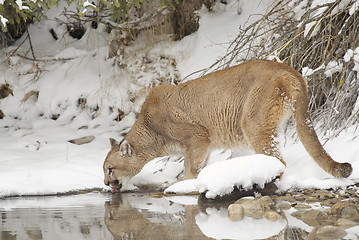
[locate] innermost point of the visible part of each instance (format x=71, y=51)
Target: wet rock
x=311, y=199
x=329, y=202
x=83, y=140
x=254, y=208
x=302, y=206
x=346, y=223
x=330, y=232
x=351, y=191
x=235, y=212
x=349, y=212
x=315, y=218
x=297, y=214
x=284, y=206
x=272, y=216
x=343, y=209
x=315, y=214
x=268, y=200
x=342, y=193
x=287, y=197
x=355, y=218
x=322, y=195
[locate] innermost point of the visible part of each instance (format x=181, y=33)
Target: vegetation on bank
x=317, y=38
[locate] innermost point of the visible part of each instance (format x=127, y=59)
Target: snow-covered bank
x=220, y=178
x=77, y=93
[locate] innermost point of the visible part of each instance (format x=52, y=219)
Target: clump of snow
x=348, y=55
x=309, y=27
x=354, y=7
x=3, y=21
x=221, y=178
x=356, y=60
x=306, y=71
x=333, y=67
x=185, y=186
x=353, y=55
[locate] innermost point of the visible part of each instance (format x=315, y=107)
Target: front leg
x=196, y=154
x=177, y=125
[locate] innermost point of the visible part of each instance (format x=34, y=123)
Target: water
x=133, y=216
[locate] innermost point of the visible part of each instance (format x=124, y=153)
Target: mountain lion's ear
x=113, y=142
x=126, y=149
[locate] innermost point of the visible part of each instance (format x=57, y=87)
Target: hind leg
x=261, y=121
x=264, y=140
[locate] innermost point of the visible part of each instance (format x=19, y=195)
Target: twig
x=45, y=60
x=13, y=52
x=30, y=42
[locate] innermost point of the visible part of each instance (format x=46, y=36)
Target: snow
x=88, y=4
x=36, y=157
x=21, y=7
x=220, y=178
x=333, y=67
x=307, y=71
x=212, y=42
x=354, y=7
x=348, y=55
x=308, y=28
x=3, y=21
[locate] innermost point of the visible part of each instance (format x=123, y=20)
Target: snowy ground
x=35, y=155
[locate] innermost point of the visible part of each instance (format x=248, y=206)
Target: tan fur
x=245, y=104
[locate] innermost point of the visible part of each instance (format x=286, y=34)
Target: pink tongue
x=113, y=190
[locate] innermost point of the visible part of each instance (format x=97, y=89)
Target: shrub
x=319, y=40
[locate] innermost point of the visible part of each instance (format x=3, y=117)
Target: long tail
x=310, y=140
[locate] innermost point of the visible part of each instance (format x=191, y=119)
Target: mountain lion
x=245, y=104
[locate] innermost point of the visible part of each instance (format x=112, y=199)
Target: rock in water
x=253, y=208
x=272, y=216
x=235, y=212
x=330, y=232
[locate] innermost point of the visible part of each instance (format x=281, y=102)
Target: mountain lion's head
x=120, y=164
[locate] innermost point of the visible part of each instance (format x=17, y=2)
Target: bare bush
x=321, y=42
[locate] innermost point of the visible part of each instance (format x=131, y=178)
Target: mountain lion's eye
x=110, y=169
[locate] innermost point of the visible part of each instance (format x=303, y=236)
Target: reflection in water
x=135, y=216
x=131, y=217
x=248, y=228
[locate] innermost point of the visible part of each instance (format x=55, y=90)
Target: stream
x=130, y=216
